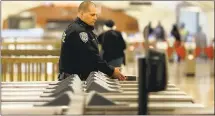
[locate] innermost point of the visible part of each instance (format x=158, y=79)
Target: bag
x=157, y=74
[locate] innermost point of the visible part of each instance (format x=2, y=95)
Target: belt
x=82, y=76
x=64, y=75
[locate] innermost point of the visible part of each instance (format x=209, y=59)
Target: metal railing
x=29, y=68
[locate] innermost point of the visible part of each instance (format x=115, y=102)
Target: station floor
x=200, y=86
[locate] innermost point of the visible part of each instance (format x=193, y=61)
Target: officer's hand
x=117, y=74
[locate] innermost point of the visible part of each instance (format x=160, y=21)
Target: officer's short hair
x=85, y=5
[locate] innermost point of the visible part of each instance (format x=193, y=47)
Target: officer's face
x=90, y=16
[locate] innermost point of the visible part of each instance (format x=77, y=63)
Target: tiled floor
x=200, y=87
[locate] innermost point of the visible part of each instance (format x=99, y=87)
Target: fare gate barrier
x=112, y=103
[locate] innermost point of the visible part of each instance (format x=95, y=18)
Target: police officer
x=79, y=51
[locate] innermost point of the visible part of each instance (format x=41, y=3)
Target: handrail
x=29, y=68
x=36, y=52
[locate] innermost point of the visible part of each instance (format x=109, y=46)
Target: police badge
x=83, y=36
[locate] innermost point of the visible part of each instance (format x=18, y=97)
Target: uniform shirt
x=79, y=51
x=113, y=45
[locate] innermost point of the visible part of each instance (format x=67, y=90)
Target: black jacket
x=79, y=51
x=160, y=33
x=176, y=34
x=113, y=45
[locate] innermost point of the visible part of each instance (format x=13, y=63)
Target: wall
x=7, y=8
x=207, y=24
x=43, y=13
x=205, y=19
x=190, y=19
x=210, y=20
x=123, y=21
x=146, y=14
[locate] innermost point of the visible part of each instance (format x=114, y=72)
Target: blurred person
x=79, y=52
x=113, y=45
x=159, y=32
x=183, y=32
x=147, y=31
x=201, y=41
x=176, y=34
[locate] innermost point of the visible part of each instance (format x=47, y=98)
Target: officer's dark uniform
x=79, y=51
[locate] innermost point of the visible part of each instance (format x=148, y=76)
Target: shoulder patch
x=83, y=36
x=63, y=37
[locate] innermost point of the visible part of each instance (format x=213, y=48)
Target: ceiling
x=131, y=7
x=117, y=5
x=123, y=5
x=205, y=5
x=127, y=5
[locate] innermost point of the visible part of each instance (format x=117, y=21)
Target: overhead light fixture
x=47, y=3
x=25, y=14
x=165, y=4
x=141, y=3
x=61, y=3
x=192, y=9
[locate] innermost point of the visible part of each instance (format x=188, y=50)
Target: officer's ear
x=81, y=13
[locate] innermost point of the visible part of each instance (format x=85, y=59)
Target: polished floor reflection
x=200, y=87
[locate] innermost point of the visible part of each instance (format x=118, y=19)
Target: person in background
x=113, y=45
x=201, y=41
x=176, y=34
x=183, y=32
x=159, y=32
x=148, y=30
